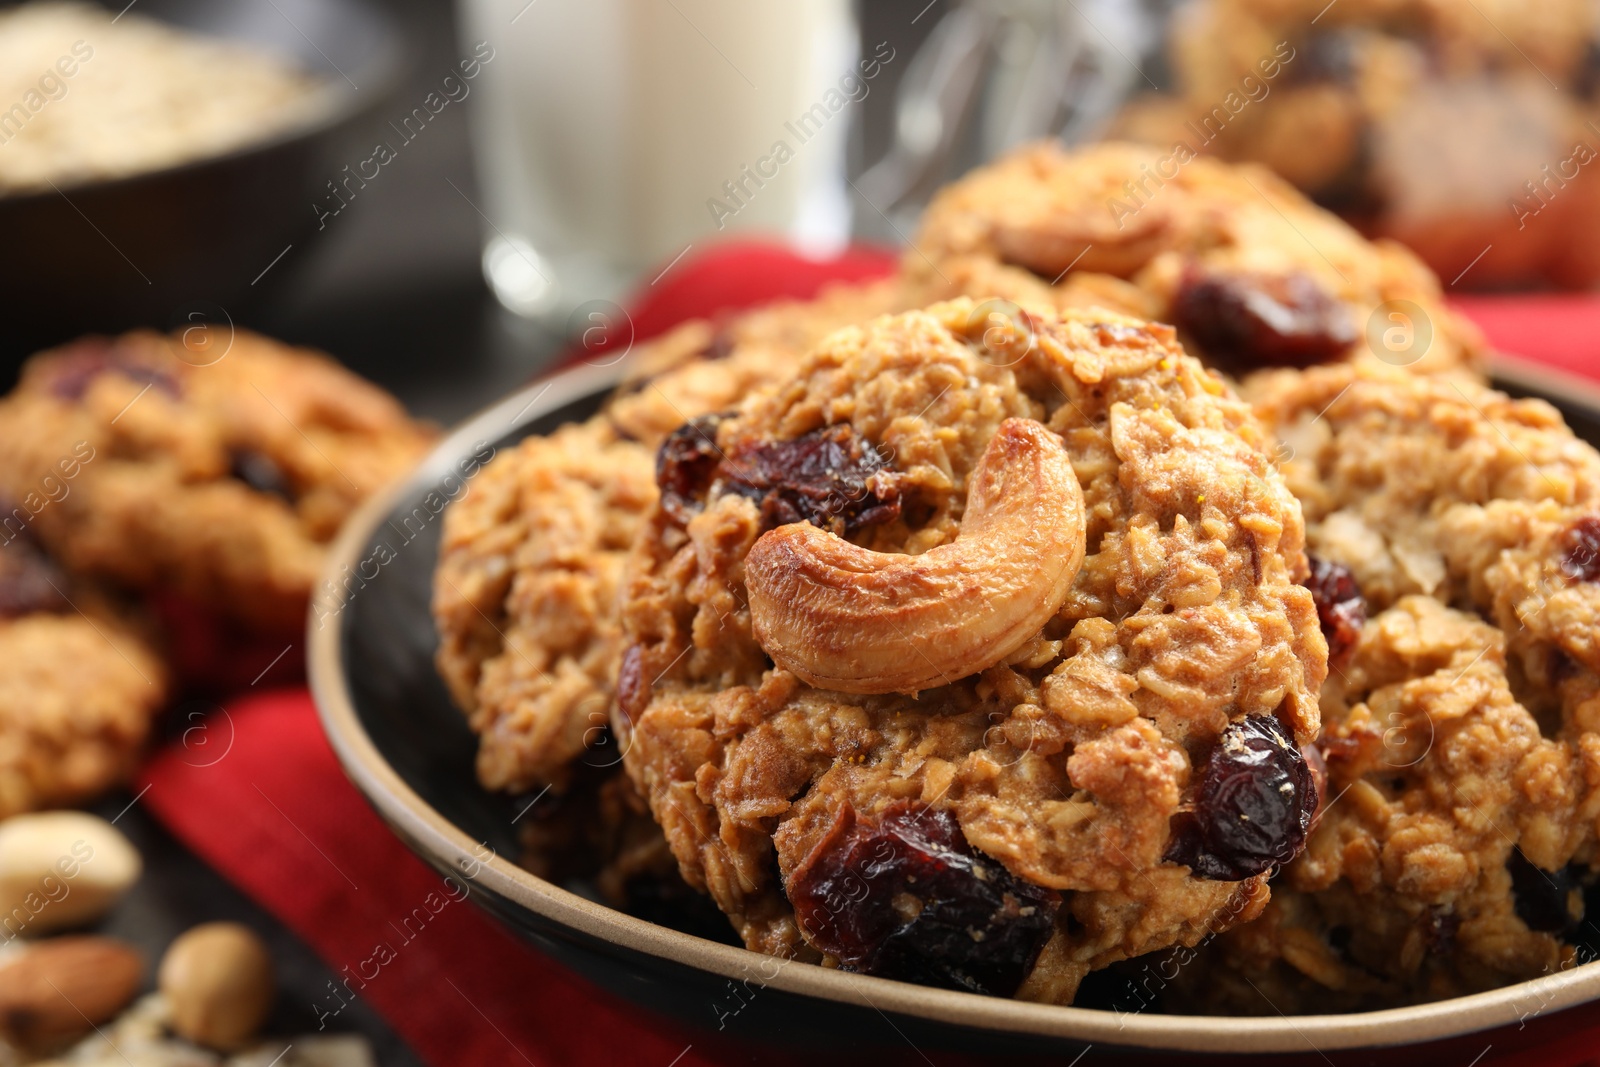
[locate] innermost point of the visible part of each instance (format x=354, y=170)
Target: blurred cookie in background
x=1252, y=273
x=1462, y=130
x=81, y=685
x=211, y=464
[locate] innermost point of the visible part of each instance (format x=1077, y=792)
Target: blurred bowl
x=407, y=748
x=150, y=248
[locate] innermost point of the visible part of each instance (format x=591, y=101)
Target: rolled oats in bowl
x=87, y=95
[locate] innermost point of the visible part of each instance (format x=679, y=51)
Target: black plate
x=407, y=747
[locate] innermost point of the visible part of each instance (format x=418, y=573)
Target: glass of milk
x=613, y=136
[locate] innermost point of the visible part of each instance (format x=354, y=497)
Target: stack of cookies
x=207, y=468
x=976, y=628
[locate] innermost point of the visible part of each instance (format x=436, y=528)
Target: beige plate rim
x=427, y=831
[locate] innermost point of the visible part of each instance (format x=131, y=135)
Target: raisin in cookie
x=1440, y=867
x=525, y=594
x=220, y=470
x=80, y=688
x=1250, y=271
x=971, y=791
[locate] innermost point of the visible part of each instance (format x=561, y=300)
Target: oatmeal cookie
x=704, y=366
x=80, y=688
x=1115, y=778
x=1461, y=740
x=218, y=471
x=525, y=598
x=1250, y=271
x=1460, y=40
x=1426, y=121
x=1440, y=867
x=525, y=594
x=1455, y=491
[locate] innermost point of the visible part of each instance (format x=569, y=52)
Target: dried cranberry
x=685, y=464
x=1586, y=82
x=30, y=581
x=260, y=472
x=1318, y=766
x=721, y=346
x=633, y=692
x=825, y=477
x=907, y=897
x=1325, y=57
x=1441, y=930
x=1340, y=749
x=1544, y=899
x=75, y=369
x=1580, y=550
x=1283, y=320
x=1253, y=807
x=1562, y=667
x=1341, y=608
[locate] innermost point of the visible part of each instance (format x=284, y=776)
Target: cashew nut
x=842, y=617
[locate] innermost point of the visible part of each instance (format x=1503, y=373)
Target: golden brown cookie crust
x=79, y=690
x=168, y=440
x=76, y=705
x=1441, y=785
x=1461, y=739
x=704, y=366
x=525, y=595
x=1130, y=227
x=1458, y=492
x=1067, y=761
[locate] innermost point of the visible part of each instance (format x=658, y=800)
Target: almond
x=59, y=989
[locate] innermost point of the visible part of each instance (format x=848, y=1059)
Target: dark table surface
x=178, y=891
x=393, y=288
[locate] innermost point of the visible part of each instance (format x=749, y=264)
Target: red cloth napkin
x=1560, y=330
x=259, y=796
x=735, y=275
